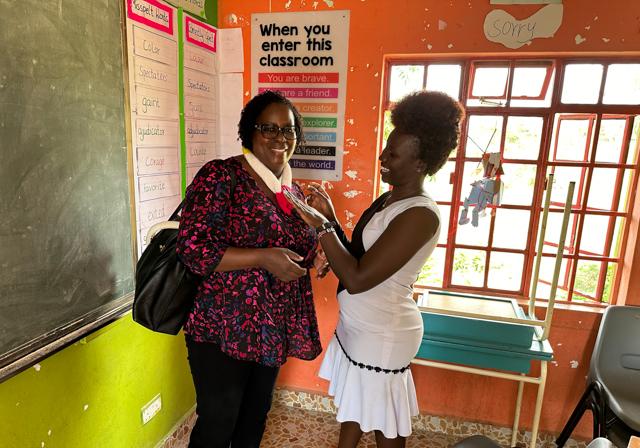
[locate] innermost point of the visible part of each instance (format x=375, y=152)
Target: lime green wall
x=211, y=10
x=91, y=393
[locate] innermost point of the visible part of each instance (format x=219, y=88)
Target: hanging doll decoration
x=485, y=191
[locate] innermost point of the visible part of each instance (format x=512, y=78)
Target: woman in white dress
x=380, y=328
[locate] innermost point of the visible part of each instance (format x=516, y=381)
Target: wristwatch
x=325, y=226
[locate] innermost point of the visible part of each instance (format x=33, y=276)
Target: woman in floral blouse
x=254, y=307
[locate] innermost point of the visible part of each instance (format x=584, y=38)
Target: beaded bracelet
x=326, y=230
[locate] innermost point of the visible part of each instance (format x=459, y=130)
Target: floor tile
x=290, y=427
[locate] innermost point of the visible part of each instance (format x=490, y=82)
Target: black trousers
x=232, y=398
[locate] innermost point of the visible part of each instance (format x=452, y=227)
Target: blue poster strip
x=329, y=137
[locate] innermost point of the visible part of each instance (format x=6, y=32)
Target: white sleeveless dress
x=381, y=327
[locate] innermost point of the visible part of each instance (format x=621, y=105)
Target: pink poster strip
x=151, y=13
x=201, y=34
x=303, y=92
x=299, y=78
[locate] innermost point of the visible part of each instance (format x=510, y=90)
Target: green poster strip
x=320, y=122
x=183, y=144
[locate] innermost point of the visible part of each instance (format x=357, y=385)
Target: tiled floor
x=303, y=420
x=293, y=427
x=299, y=428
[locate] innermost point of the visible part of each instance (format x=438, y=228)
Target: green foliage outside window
x=587, y=281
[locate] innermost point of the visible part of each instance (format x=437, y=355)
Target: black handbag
x=165, y=288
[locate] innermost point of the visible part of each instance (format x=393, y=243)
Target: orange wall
x=386, y=27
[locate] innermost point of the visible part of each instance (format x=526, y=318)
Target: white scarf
x=277, y=186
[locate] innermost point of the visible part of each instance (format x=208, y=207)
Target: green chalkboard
x=66, y=257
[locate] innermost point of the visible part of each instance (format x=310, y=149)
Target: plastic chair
x=613, y=384
x=601, y=442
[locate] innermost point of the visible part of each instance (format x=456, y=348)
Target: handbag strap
x=175, y=216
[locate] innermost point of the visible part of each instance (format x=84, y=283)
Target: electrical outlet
x=150, y=409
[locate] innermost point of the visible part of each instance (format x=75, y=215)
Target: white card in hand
x=293, y=198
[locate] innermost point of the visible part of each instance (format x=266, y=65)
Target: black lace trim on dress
x=366, y=366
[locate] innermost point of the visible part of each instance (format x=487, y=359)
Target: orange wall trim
x=382, y=28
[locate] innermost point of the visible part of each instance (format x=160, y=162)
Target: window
x=577, y=119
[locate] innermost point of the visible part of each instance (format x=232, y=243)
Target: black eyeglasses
x=271, y=131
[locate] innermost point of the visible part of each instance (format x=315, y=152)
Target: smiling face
x=399, y=159
x=274, y=153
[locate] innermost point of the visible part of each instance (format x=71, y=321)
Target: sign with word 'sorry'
x=501, y=27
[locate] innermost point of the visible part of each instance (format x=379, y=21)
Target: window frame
x=554, y=80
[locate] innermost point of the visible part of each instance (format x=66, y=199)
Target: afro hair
x=434, y=119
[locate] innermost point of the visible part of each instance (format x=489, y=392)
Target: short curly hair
x=434, y=119
x=253, y=109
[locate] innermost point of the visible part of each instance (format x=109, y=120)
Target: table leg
x=538, y=408
x=516, y=417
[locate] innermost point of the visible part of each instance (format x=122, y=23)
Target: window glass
x=571, y=139
x=632, y=156
x=490, y=82
x=505, y=271
x=552, y=234
x=587, y=276
x=483, y=135
x=545, y=278
x=616, y=242
x=522, y=140
x=536, y=94
x=581, y=83
x=405, y=79
x=469, y=235
x=594, y=225
x=625, y=191
x=610, y=140
x=433, y=271
x=519, y=181
x=603, y=185
x=563, y=175
x=468, y=267
x=439, y=185
x=622, y=85
x=511, y=229
x=444, y=78
x=445, y=210
x=528, y=81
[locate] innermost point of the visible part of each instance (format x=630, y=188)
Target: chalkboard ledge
x=25, y=356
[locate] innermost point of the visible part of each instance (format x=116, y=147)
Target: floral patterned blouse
x=249, y=313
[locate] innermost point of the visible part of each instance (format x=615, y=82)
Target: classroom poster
x=231, y=88
x=231, y=103
x=152, y=37
x=304, y=56
x=200, y=98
